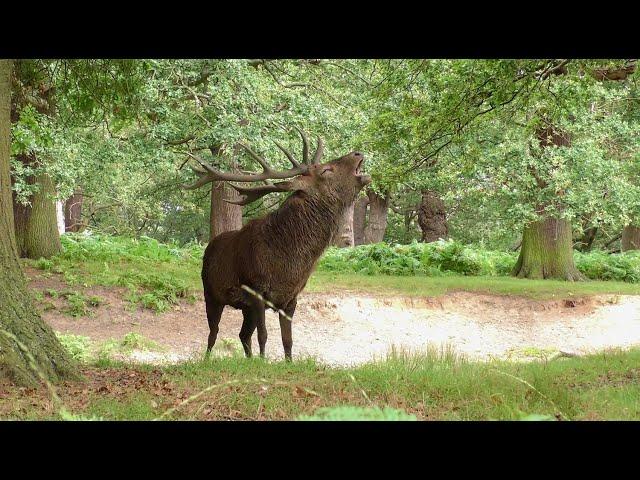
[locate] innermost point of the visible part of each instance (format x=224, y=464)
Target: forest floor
x=349, y=327
x=449, y=356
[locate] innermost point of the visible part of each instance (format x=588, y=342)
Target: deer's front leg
x=262, y=329
x=285, y=328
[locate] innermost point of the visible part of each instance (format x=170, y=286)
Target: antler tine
x=211, y=174
x=257, y=158
x=319, y=151
x=288, y=154
x=305, y=145
x=251, y=194
x=198, y=183
x=203, y=180
x=199, y=171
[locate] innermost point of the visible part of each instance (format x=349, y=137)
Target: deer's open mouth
x=362, y=177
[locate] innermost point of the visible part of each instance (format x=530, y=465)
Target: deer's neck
x=302, y=228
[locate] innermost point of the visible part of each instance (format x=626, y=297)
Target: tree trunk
x=73, y=212
x=547, y=251
x=630, y=238
x=36, y=225
x=547, y=244
x=432, y=217
x=21, y=215
x=41, y=236
x=224, y=216
x=359, y=219
x=378, y=209
x=21, y=328
x=344, y=236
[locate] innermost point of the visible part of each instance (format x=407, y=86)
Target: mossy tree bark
x=41, y=235
x=547, y=244
x=547, y=251
x=630, y=238
x=36, y=232
x=20, y=217
x=18, y=317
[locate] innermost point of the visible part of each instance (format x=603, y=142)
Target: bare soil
x=351, y=328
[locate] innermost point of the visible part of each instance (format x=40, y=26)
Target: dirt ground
x=351, y=327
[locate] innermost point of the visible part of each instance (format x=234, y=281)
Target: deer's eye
x=327, y=170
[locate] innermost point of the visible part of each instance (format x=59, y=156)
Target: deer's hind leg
x=246, y=332
x=254, y=318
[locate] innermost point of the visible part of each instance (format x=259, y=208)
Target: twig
x=534, y=389
x=266, y=302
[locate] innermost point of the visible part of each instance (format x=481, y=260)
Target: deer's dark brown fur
x=275, y=255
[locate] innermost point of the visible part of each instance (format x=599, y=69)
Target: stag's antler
x=210, y=174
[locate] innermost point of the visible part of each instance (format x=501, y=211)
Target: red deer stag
x=275, y=255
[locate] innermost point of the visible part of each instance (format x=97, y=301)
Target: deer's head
x=339, y=180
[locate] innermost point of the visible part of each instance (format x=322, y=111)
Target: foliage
x=603, y=266
x=448, y=256
x=434, y=259
x=465, y=128
x=78, y=346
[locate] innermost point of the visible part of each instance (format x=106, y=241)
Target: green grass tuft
x=349, y=413
x=78, y=346
x=129, y=342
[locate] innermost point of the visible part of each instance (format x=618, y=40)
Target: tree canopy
x=475, y=131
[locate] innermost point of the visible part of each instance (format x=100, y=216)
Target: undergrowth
x=449, y=257
x=155, y=275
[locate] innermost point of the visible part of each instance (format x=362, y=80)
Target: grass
x=80, y=305
x=421, y=286
x=436, y=385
